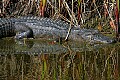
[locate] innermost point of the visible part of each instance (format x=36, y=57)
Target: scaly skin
x=47, y=28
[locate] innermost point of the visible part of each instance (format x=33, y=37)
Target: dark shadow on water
x=46, y=60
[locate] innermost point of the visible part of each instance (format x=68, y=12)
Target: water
x=46, y=60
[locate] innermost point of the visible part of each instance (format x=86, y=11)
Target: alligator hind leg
x=23, y=31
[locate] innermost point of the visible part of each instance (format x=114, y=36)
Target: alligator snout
x=98, y=38
x=109, y=41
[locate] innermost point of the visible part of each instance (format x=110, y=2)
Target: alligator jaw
x=98, y=38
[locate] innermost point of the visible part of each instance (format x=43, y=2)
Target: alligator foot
x=23, y=31
x=23, y=35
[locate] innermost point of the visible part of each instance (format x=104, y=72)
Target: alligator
x=38, y=27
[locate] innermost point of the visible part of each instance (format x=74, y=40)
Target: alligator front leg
x=23, y=31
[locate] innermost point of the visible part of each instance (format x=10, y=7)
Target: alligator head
x=93, y=36
x=97, y=37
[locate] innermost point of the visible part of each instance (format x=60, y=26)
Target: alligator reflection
x=69, y=61
x=42, y=46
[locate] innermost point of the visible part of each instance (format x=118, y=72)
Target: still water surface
x=46, y=60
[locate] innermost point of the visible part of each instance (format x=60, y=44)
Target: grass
x=74, y=11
